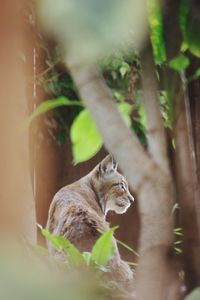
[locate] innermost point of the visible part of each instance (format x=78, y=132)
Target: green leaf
x=174, y=144
x=118, y=96
x=103, y=249
x=86, y=140
x=179, y=63
x=183, y=14
x=102, y=268
x=178, y=242
x=51, y=104
x=178, y=250
x=62, y=244
x=190, y=27
x=178, y=231
x=87, y=258
x=124, y=69
x=116, y=63
x=194, y=295
x=195, y=76
x=192, y=35
x=156, y=30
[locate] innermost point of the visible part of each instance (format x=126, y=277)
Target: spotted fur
x=78, y=210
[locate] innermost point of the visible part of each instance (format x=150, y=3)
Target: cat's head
x=111, y=187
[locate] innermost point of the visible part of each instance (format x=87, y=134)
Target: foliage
x=156, y=30
x=103, y=249
x=121, y=71
x=190, y=26
x=179, y=63
x=52, y=104
x=99, y=257
x=178, y=233
x=63, y=245
x=86, y=141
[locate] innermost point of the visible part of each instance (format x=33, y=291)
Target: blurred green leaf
x=156, y=30
x=178, y=242
x=87, y=257
x=116, y=63
x=86, y=140
x=178, y=231
x=102, y=268
x=179, y=63
x=183, y=13
x=195, y=76
x=194, y=295
x=51, y=104
x=124, y=69
x=62, y=244
x=192, y=34
x=190, y=26
x=178, y=250
x=103, y=249
x=117, y=95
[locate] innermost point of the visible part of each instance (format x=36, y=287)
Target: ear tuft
x=114, y=164
x=108, y=165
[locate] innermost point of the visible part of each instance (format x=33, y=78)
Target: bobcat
x=78, y=211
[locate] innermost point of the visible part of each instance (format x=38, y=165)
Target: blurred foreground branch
x=17, y=213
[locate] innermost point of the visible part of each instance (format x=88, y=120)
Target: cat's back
x=77, y=194
x=73, y=214
x=73, y=194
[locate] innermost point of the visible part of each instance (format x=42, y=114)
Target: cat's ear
x=108, y=165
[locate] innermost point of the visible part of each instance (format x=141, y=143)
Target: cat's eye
x=119, y=185
x=122, y=186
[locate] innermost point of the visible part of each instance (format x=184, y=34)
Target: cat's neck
x=96, y=201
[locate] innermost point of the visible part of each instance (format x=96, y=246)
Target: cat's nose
x=131, y=199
